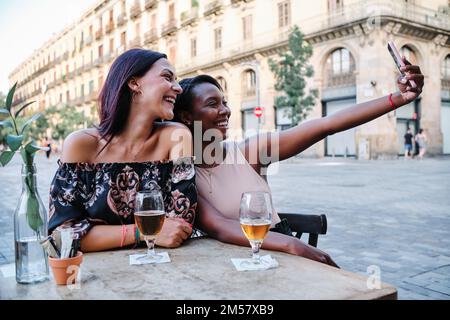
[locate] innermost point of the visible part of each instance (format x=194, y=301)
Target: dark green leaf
x=5, y=157
x=29, y=121
x=23, y=107
x=7, y=124
x=4, y=114
x=33, y=217
x=32, y=148
x=9, y=98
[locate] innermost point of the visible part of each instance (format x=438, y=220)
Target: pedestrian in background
x=408, y=143
x=421, y=140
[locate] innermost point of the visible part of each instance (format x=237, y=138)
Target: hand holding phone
x=399, y=61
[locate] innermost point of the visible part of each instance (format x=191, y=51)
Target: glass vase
x=30, y=227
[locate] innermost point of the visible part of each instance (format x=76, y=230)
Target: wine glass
x=255, y=217
x=149, y=217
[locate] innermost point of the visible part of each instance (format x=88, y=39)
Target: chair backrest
x=307, y=223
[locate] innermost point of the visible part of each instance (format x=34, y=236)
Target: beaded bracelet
x=137, y=236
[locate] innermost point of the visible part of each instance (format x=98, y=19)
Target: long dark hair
x=115, y=96
x=184, y=100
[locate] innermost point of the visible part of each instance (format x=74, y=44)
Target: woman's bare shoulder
x=177, y=138
x=81, y=146
x=168, y=129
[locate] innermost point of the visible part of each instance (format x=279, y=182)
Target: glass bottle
x=30, y=227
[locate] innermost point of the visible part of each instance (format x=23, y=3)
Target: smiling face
x=210, y=107
x=159, y=89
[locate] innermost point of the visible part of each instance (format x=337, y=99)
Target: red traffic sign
x=258, y=112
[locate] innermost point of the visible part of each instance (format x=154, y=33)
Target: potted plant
x=30, y=217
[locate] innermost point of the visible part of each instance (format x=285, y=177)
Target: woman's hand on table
x=302, y=249
x=173, y=233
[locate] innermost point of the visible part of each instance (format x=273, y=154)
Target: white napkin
x=134, y=259
x=267, y=262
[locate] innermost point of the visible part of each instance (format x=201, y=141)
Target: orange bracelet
x=124, y=235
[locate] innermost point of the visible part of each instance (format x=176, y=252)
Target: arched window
x=409, y=54
x=249, y=83
x=339, y=69
x=222, y=83
x=445, y=70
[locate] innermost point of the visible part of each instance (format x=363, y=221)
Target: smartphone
x=399, y=61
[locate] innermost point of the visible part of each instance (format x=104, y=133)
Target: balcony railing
x=88, y=40
x=169, y=27
x=237, y=1
x=249, y=92
x=151, y=36
x=79, y=101
x=121, y=19
x=135, y=10
x=149, y=4
x=370, y=10
x=79, y=70
x=445, y=84
x=98, y=62
x=213, y=7
x=108, y=57
x=189, y=17
x=136, y=42
x=93, y=96
x=109, y=26
x=340, y=80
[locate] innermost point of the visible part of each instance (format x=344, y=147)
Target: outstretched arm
x=293, y=141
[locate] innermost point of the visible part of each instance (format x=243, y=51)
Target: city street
x=392, y=216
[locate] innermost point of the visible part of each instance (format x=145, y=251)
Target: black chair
x=306, y=223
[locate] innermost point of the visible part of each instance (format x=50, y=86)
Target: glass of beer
x=255, y=217
x=149, y=217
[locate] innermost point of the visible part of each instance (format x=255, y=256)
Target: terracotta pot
x=65, y=268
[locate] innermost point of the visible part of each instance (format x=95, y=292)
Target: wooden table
x=201, y=269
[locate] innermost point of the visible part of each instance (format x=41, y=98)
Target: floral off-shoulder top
x=86, y=194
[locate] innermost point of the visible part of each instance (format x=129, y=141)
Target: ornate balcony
x=189, y=17
x=93, y=96
x=109, y=26
x=88, y=40
x=135, y=43
x=121, y=19
x=150, y=4
x=169, y=27
x=98, y=34
x=98, y=62
x=213, y=7
x=150, y=36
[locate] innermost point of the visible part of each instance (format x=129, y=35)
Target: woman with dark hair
x=226, y=170
x=101, y=169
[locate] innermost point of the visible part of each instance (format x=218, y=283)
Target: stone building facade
x=233, y=41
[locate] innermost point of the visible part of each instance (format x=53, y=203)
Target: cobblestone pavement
x=392, y=214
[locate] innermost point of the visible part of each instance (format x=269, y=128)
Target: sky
x=25, y=25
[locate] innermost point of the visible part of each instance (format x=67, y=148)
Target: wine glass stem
x=151, y=245
x=255, y=251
